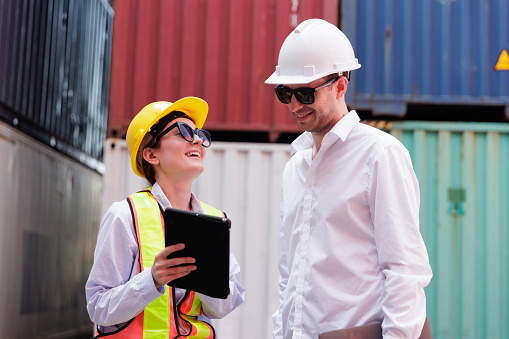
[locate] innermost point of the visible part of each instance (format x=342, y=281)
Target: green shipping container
x=463, y=171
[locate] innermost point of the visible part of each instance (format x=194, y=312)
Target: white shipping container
x=242, y=179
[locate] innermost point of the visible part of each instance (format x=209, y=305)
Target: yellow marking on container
x=503, y=61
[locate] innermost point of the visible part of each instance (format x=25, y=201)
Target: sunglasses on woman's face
x=188, y=133
x=304, y=95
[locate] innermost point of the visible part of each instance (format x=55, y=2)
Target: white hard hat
x=313, y=50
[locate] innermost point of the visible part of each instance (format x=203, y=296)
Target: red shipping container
x=219, y=50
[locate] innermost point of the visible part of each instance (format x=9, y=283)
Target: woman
x=127, y=293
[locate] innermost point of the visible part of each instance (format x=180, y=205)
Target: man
x=350, y=250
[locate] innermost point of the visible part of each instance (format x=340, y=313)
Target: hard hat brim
x=196, y=108
x=276, y=79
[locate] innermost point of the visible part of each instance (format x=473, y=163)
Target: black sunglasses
x=187, y=132
x=304, y=95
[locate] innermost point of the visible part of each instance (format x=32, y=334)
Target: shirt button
x=299, y=291
x=302, y=254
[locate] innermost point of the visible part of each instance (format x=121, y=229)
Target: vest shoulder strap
x=207, y=209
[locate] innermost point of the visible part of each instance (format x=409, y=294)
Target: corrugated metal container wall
x=50, y=210
x=462, y=170
x=242, y=179
x=433, y=51
x=221, y=51
x=54, y=73
x=463, y=174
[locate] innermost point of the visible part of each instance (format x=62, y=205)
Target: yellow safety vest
x=161, y=317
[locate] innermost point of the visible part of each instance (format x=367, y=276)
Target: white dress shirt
x=115, y=293
x=350, y=250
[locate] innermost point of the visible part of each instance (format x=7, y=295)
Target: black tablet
x=207, y=239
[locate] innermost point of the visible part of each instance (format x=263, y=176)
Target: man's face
x=320, y=116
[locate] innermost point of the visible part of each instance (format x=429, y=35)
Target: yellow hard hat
x=196, y=108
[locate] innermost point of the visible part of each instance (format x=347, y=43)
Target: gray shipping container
x=54, y=73
x=50, y=209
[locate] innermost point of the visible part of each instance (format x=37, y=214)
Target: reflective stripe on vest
x=151, y=241
x=158, y=319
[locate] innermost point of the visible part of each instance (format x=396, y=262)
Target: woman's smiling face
x=177, y=158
